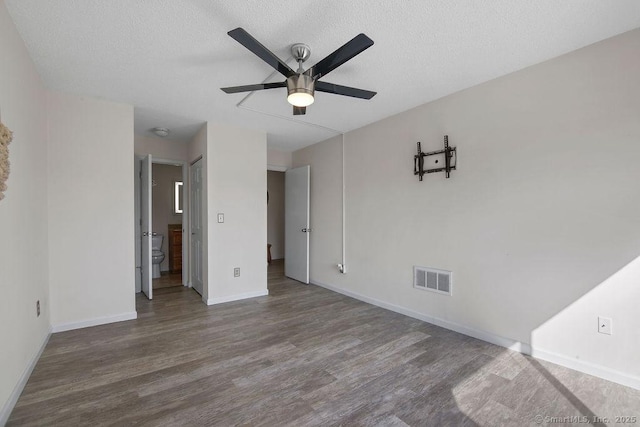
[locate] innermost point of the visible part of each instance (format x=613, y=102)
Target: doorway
x=288, y=227
x=167, y=217
x=161, y=218
x=275, y=217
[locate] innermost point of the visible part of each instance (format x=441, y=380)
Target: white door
x=146, y=226
x=296, y=224
x=136, y=198
x=197, y=257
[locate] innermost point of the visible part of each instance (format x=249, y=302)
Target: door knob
x=306, y=230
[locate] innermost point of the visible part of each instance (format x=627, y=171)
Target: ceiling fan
x=302, y=84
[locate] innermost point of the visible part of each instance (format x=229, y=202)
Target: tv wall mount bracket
x=450, y=160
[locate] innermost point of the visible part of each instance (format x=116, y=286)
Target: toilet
x=157, y=256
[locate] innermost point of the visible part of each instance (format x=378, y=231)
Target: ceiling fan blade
x=344, y=90
x=350, y=49
x=251, y=88
x=299, y=111
x=246, y=40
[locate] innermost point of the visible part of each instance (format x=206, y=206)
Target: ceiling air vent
x=432, y=279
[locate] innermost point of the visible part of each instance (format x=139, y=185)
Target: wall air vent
x=432, y=279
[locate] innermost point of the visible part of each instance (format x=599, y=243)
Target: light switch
x=220, y=217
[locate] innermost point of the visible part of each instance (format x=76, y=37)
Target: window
x=177, y=197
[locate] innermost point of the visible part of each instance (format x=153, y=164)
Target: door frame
x=185, y=215
x=146, y=223
x=185, y=211
x=204, y=239
x=138, y=222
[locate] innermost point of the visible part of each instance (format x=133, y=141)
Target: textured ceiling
x=169, y=58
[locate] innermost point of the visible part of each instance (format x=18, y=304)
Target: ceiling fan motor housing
x=300, y=83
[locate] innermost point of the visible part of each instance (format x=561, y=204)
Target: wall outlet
x=236, y=272
x=38, y=308
x=605, y=325
x=220, y=218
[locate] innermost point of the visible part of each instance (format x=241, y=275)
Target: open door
x=296, y=224
x=146, y=226
x=196, y=211
x=137, y=232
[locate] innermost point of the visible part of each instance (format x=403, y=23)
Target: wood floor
x=167, y=280
x=301, y=356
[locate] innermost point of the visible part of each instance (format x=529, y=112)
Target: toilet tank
x=156, y=242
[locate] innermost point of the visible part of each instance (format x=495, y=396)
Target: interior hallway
x=301, y=356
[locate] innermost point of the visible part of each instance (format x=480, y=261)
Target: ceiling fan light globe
x=300, y=99
x=300, y=89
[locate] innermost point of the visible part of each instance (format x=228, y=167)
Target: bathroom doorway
x=167, y=215
x=164, y=221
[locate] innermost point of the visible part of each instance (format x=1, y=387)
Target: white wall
x=275, y=213
x=540, y=215
x=237, y=187
x=278, y=160
x=160, y=148
x=91, y=214
x=23, y=217
x=568, y=338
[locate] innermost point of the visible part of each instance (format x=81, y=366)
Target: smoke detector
x=161, y=132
